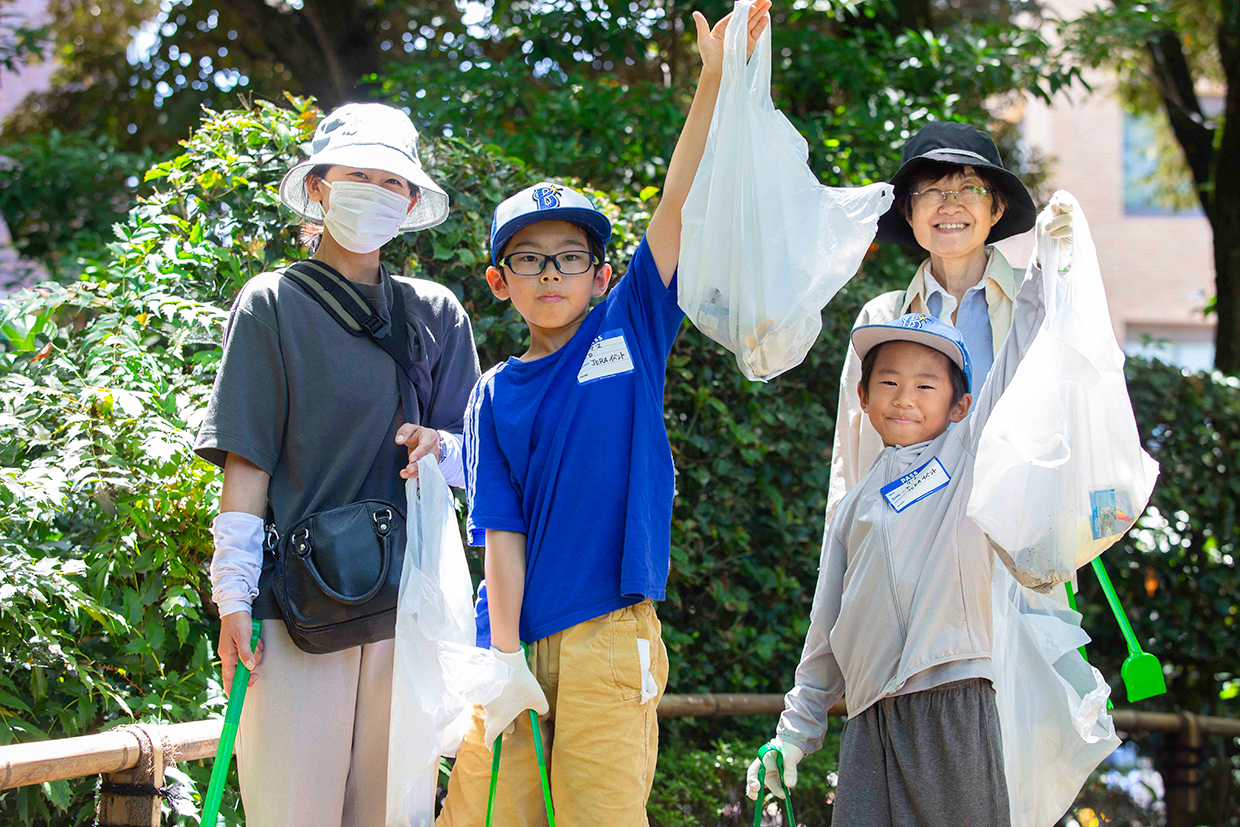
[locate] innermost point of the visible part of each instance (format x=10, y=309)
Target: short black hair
x=960, y=385
x=597, y=251
x=311, y=234
x=931, y=171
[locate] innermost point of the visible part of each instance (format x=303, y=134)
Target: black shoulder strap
x=349, y=308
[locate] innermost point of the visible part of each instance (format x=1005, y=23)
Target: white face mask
x=363, y=217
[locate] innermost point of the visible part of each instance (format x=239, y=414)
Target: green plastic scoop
x=224, y=752
x=1142, y=673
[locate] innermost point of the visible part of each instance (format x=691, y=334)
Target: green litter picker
x=223, y=753
x=779, y=765
x=542, y=766
x=1142, y=673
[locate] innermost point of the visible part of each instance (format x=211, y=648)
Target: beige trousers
x=312, y=745
x=600, y=739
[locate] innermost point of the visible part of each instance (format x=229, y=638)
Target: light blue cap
x=919, y=328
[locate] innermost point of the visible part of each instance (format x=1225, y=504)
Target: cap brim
x=592, y=221
x=867, y=337
x=430, y=209
x=1019, y=214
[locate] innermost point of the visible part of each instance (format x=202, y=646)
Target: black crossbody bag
x=337, y=572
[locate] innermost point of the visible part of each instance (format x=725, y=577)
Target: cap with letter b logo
x=546, y=201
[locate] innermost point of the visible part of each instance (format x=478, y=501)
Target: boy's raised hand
x=663, y=234
x=710, y=40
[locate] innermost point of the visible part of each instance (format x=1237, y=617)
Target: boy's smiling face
x=551, y=300
x=909, y=398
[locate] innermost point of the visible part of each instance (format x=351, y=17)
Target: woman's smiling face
x=958, y=226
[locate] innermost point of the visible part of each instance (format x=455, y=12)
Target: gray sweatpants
x=926, y=759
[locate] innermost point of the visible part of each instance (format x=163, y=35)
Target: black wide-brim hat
x=957, y=143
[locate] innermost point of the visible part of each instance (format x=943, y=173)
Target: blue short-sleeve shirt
x=571, y=450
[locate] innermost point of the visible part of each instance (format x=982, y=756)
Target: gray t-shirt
x=317, y=408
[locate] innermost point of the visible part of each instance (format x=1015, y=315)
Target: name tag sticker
x=916, y=485
x=608, y=356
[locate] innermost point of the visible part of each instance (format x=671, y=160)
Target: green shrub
x=60, y=193
x=706, y=787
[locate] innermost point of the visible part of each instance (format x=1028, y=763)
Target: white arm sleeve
x=453, y=462
x=237, y=561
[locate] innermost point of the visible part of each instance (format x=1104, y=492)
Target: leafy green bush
x=706, y=787
x=60, y=193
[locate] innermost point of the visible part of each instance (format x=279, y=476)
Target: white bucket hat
x=369, y=136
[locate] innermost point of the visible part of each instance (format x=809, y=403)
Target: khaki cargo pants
x=600, y=740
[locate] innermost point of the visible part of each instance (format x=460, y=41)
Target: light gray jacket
x=903, y=598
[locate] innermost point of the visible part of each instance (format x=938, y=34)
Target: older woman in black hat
x=954, y=200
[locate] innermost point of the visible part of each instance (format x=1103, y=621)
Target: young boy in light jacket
x=901, y=620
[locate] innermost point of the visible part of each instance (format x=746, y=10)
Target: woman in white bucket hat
x=306, y=417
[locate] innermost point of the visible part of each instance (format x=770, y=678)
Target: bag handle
x=344, y=303
x=779, y=766
x=757, y=68
x=386, y=539
x=542, y=767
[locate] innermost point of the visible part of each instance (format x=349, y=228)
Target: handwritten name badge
x=608, y=356
x=916, y=485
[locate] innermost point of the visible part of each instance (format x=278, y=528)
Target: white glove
x=792, y=757
x=1056, y=220
x=520, y=693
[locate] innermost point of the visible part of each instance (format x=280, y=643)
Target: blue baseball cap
x=919, y=328
x=546, y=201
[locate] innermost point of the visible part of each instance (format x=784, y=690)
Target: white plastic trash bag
x=1052, y=704
x=763, y=245
x=1061, y=474
x=439, y=673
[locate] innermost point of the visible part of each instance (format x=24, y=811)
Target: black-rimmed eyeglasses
x=567, y=263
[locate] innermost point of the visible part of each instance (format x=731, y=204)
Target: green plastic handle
x=779, y=765
x=1072, y=605
x=542, y=766
x=224, y=753
x=1125, y=628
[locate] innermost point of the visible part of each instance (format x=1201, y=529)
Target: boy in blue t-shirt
x=570, y=485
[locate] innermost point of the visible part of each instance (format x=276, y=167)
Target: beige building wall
x=1158, y=270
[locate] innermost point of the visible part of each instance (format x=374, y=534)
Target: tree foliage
x=61, y=193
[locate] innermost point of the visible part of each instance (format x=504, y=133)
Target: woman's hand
x=710, y=40
x=420, y=441
x=235, y=632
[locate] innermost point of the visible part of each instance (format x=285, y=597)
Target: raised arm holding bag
x=763, y=245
